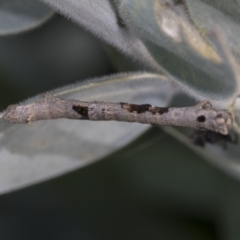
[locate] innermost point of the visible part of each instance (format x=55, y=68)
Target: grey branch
x=201, y=116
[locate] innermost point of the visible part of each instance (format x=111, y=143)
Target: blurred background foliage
x=53, y=55
x=155, y=188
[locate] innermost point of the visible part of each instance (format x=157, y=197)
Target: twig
x=201, y=116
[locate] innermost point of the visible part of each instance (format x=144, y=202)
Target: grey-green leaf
x=20, y=15
x=235, y=110
x=225, y=159
x=101, y=18
x=45, y=149
x=178, y=47
x=224, y=14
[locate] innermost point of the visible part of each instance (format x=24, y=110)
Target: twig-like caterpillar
x=201, y=116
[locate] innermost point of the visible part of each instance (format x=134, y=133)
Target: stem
x=201, y=116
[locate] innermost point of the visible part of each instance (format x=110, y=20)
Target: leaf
x=235, y=110
x=21, y=15
x=225, y=159
x=225, y=14
x=228, y=7
x=101, y=18
x=176, y=45
x=45, y=149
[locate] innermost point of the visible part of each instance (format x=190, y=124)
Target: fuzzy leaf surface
x=223, y=14
x=102, y=19
x=202, y=69
x=21, y=15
